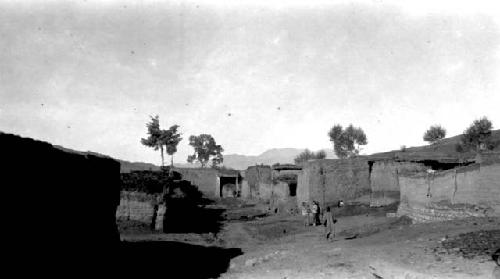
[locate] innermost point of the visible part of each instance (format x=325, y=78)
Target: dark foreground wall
x=61, y=204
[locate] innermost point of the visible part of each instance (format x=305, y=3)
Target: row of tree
x=476, y=137
x=347, y=142
x=204, y=145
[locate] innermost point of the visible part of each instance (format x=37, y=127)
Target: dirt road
x=380, y=248
x=367, y=245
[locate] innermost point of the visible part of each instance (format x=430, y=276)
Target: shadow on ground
x=174, y=259
x=183, y=217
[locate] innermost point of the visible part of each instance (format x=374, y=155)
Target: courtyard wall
x=472, y=190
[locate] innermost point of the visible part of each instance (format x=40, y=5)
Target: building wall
x=328, y=181
x=384, y=182
x=245, y=190
x=303, y=192
x=278, y=191
x=277, y=173
x=259, y=178
x=473, y=190
x=205, y=179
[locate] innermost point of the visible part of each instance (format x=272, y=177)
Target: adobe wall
x=205, y=179
x=259, y=179
x=265, y=191
x=279, y=191
x=472, y=190
x=245, y=190
x=136, y=206
x=384, y=182
x=277, y=173
x=328, y=181
x=59, y=200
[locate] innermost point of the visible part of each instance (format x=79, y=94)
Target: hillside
x=443, y=150
x=126, y=166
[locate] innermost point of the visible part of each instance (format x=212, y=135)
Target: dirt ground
x=369, y=245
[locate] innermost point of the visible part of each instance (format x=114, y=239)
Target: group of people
x=312, y=212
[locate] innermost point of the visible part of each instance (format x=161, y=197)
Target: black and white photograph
x=251, y=139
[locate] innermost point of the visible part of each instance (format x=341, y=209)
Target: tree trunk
x=172, y=161
x=162, y=160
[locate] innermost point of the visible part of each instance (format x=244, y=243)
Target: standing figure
x=314, y=212
x=329, y=221
x=305, y=213
x=317, y=219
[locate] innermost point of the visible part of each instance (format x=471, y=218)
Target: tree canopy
x=347, y=141
x=159, y=139
x=307, y=155
x=171, y=139
x=205, y=148
x=154, y=138
x=477, y=136
x=434, y=134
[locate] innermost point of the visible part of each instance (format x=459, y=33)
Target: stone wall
x=59, y=200
x=328, y=181
x=384, y=182
x=472, y=190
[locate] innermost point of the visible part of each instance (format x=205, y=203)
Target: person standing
x=317, y=218
x=305, y=213
x=329, y=221
x=315, y=213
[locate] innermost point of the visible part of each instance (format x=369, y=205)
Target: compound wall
x=328, y=181
x=384, y=182
x=472, y=190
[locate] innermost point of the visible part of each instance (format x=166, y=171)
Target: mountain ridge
x=235, y=161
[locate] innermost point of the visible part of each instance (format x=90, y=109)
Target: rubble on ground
x=470, y=245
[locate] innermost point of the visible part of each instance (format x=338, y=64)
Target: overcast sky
x=257, y=75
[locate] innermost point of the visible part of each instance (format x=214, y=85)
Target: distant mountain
x=269, y=157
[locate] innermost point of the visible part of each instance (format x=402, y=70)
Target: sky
x=255, y=75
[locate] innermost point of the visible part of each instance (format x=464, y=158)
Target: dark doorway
x=293, y=189
x=226, y=180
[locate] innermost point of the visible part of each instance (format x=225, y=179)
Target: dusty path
x=379, y=247
x=384, y=248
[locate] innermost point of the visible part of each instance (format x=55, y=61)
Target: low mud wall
x=137, y=206
x=472, y=190
x=62, y=203
x=384, y=181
